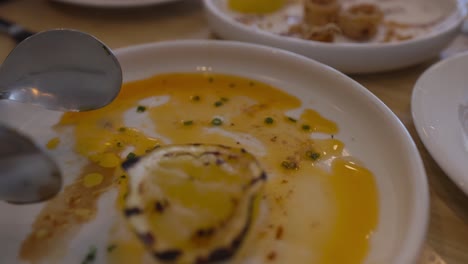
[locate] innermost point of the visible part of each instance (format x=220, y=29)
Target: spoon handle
x=17, y=32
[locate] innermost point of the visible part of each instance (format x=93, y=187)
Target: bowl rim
x=419, y=215
x=460, y=14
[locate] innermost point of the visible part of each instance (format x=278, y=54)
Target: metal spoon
x=27, y=174
x=60, y=70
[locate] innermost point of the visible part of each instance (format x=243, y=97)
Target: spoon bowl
x=61, y=69
x=28, y=175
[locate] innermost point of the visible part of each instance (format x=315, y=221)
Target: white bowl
x=369, y=129
x=346, y=57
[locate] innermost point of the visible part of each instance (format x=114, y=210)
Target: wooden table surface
x=447, y=240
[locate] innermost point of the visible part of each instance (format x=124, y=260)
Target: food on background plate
x=324, y=19
x=256, y=6
x=345, y=21
x=360, y=22
x=318, y=33
x=321, y=12
x=316, y=201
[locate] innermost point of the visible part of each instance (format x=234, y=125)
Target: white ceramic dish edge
x=411, y=247
x=397, y=166
x=439, y=130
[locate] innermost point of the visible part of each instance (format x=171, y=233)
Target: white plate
x=440, y=113
x=348, y=57
x=371, y=132
x=115, y=3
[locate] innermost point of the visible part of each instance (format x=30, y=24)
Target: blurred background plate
x=348, y=57
x=440, y=112
x=115, y=3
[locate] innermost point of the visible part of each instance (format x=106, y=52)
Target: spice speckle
x=289, y=165
x=271, y=256
x=131, y=156
x=269, y=121
x=141, y=109
x=111, y=247
x=313, y=155
x=90, y=256
x=216, y=122
x=279, y=233
x=187, y=122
